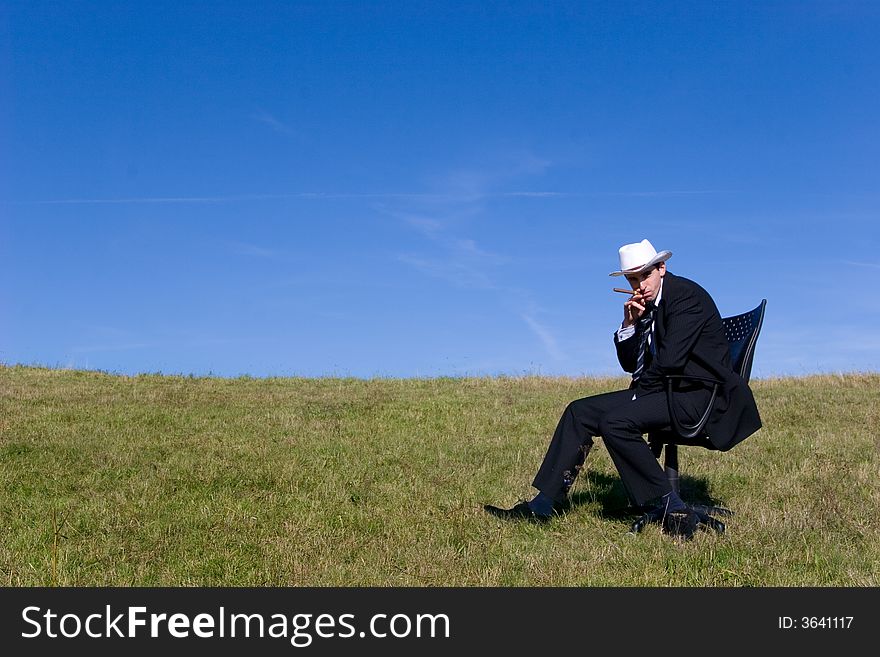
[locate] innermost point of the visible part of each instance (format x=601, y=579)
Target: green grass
x=174, y=481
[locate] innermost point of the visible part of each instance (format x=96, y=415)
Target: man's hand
x=633, y=309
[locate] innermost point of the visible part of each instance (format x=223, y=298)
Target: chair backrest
x=742, y=334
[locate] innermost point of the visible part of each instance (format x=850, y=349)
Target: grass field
x=174, y=481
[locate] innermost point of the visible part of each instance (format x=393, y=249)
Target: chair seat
x=671, y=438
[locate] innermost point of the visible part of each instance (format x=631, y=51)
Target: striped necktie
x=645, y=329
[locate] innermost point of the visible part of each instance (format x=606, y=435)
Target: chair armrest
x=690, y=430
x=694, y=377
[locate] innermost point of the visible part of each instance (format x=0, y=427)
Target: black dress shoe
x=521, y=511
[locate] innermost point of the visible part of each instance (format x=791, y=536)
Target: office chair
x=742, y=334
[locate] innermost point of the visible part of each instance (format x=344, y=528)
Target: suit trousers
x=620, y=421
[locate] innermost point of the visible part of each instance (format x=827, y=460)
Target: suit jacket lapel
x=660, y=319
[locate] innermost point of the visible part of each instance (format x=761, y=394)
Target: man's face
x=648, y=282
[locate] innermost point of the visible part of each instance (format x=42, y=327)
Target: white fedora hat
x=636, y=258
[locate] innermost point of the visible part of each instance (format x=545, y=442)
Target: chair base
x=710, y=510
x=705, y=516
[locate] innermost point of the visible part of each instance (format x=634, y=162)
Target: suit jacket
x=689, y=339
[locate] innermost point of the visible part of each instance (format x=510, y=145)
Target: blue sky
x=422, y=189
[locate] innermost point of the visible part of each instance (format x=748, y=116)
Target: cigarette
x=620, y=289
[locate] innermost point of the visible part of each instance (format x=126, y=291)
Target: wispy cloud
x=429, y=227
x=548, y=340
x=134, y=200
x=267, y=119
x=252, y=250
x=467, y=184
x=468, y=248
x=870, y=265
x=469, y=193
x=666, y=192
x=245, y=198
x=462, y=261
x=457, y=273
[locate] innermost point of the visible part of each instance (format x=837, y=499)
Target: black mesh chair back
x=742, y=335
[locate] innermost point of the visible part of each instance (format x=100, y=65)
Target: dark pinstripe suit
x=689, y=339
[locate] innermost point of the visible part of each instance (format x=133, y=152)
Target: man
x=670, y=326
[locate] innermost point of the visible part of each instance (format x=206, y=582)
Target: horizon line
x=497, y=375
